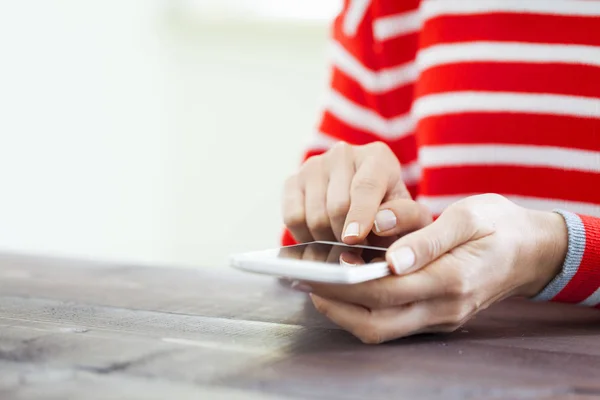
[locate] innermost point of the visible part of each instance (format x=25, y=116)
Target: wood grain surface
x=78, y=329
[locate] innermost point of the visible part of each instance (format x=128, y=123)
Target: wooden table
x=74, y=330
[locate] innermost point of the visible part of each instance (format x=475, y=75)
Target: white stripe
x=364, y=118
x=533, y=103
x=354, y=15
x=593, y=300
x=437, y=204
x=432, y=9
x=411, y=173
x=396, y=25
x=497, y=154
x=507, y=52
x=372, y=81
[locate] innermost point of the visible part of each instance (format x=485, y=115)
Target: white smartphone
x=318, y=262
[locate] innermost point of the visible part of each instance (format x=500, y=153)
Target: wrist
x=550, y=245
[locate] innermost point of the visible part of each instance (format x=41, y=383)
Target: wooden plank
x=269, y=357
x=221, y=330
x=29, y=381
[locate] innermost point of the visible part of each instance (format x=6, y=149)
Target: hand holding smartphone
x=328, y=262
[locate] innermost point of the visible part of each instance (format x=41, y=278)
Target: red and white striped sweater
x=480, y=96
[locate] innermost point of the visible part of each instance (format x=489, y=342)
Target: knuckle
x=492, y=198
x=293, y=219
x=311, y=164
x=340, y=148
x=460, y=287
x=338, y=208
x=378, y=147
x=433, y=247
x=318, y=222
x=365, y=184
x=467, y=215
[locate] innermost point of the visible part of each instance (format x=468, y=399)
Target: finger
x=392, y=291
x=400, y=216
x=316, y=252
x=315, y=193
x=334, y=254
x=415, y=250
x=294, y=216
x=367, y=190
x=337, y=251
x=373, y=326
x=351, y=259
x=381, y=325
x=396, y=188
x=338, y=192
x=294, y=252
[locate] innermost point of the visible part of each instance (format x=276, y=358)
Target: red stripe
x=546, y=130
x=384, y=8
x=389, y=104
x=587, y=279
x=405, y=148
x=338, y=129
x=287, y=239
x=569, y=79
x=413, y=190
x=311, y=153
x=371, y=53
x=360, y=44
x=398, y=50
x=511, y=27
x=538, y=182
x=376, y=55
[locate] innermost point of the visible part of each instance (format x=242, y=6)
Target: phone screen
x=330, y=253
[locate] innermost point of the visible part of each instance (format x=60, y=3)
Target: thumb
x=400, y=216
x=417, y=249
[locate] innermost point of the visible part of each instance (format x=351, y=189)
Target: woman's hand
x=481, y=250
x=346, y=193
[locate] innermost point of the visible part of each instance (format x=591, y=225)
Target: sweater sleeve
x=579, y=280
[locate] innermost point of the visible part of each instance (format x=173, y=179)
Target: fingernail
x=384, y=221
x=403, y=259
x=301, y=287
x=346, y=263
x=352, y=230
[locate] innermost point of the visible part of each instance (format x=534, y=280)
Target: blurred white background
x=155, y=132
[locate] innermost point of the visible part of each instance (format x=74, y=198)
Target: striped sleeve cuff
x=579, y=280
